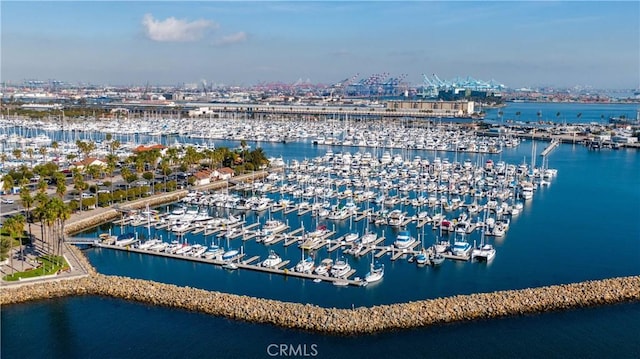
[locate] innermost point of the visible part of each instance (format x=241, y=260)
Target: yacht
x=340, y=268
x=461, y=248
x=376, y=272
x=272, y=260
x=421, y=258
x=436, y=259
x=126, y=239
x=275, y=226
x=230, y=254
x=404, y=240
x=324, y=267
x=485, y=252
x=213, y=251
x=305, y=265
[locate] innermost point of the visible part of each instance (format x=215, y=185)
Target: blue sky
x=242, y=43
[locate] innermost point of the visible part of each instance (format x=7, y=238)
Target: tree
x=27, y=202
x=30, y=152
x=7, y=184
x=17, y=154
x=55, y=146
x=39, y=212
x=78, y=183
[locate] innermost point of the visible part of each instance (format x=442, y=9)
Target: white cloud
x=232, y=39
x=175, y=30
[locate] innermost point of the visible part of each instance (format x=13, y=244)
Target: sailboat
x=485, y=251
x=305, y=265
x=421, y=258
x=376, y=271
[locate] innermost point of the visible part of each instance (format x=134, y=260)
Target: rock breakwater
x=339, y=321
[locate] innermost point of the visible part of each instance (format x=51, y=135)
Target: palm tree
x=78, y=183
x=17, y=154
x=27, y=202
x=55, y=146
x=43, y=152
x=7, y=184
x=61, y=185
x=40, y=212
x=114, y=145
x=15, y=227
x=30, y=152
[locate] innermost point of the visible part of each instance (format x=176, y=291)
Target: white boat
x=149, y=243
x=461, y=248
x=198, y=250
x=485, y=252
x=340, y=268
x=324, y=267
x=421, y=258
x=213, y=252
x=436, y=259
x=376, y=272
x=184, y=250
x=126, y=239
x=351, y=237
x=230, y=266
x=305, y=265
x=272, y=260
x=404, y=240
x=159, y=247
x=274, y=226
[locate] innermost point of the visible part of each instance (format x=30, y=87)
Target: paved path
x=38, y=246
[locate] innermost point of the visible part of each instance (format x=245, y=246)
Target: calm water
x=93, y=327
x=585, y=225
x=595, y=112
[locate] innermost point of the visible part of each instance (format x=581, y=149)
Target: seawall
x=361, y=320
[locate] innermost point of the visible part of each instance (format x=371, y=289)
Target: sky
x=520, y=44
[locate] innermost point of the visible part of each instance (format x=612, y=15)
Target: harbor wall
x=360, y=320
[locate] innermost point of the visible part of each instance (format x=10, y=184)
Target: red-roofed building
x=89, y=161
x=202, y=177
x=143, y=148
x=225, y=173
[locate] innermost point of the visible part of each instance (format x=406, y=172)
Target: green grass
x=48, y=265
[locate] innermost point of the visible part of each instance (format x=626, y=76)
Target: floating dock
x=243, y=265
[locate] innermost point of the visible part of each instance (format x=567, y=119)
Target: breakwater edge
x=360, y=320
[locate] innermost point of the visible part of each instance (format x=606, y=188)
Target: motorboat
x=376, y=272
x=324, y=267
x=272, y=260
x=340, y=268
x=404, y=240
x=305, y=265
x=436, y=259
x=126, y=239
x=485, y=252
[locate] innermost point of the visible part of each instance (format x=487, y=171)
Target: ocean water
x=95, y=327
x=585, y=225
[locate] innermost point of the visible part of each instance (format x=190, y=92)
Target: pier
x=242, y=264
x=552, y=145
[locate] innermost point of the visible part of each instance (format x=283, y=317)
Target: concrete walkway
x=79, y=265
